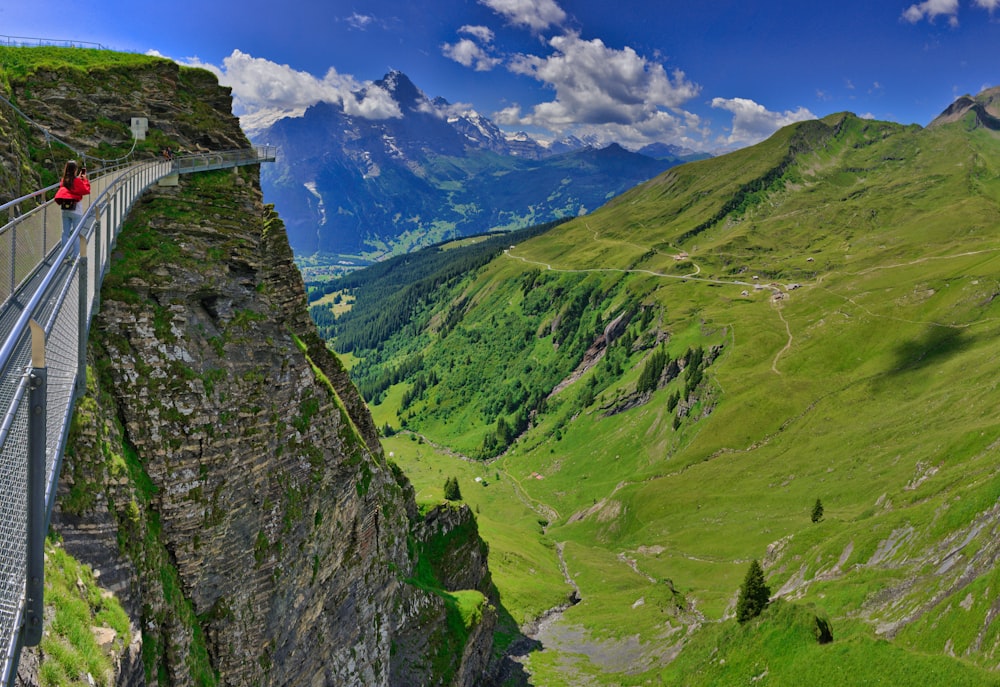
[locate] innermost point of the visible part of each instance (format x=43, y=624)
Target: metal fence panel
x=13, y=509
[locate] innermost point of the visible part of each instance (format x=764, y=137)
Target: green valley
x=641, y=401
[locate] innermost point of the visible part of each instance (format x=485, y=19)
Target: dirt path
x=539, y=507
x=788, y=344
x=619, y=270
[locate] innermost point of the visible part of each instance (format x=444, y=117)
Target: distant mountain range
x=347, y=185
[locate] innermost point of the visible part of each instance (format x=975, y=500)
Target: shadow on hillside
x=507, y=670
x=937, y=344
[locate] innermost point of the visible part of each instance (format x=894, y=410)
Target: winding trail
x=539, y=507
x=554, y=615
x=788, y=344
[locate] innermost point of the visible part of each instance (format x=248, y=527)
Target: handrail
x=64, y=42
x=7, y=348
x=100, y=174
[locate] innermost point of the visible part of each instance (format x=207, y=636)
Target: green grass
x=522, y=564
x=871, y=386
x=69, y=647
x=785, y=636
x=21, y=62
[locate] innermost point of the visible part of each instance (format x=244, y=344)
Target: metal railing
x=28, y=41
x=49, y=293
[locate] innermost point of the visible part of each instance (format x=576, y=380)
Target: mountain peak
x=402, y=90
x=985, y=109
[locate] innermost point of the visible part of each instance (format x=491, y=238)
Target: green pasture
x=523, y=563
x=853, y=293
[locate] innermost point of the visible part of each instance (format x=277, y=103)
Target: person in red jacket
x=73, y=187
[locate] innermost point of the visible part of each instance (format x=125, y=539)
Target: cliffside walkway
x=49, y=292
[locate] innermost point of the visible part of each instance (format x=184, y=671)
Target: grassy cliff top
x=20, y=62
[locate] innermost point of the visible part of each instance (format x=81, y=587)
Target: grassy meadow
x=845, y=273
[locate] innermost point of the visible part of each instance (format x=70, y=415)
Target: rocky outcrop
x=223, y=475
x=451, y=561
x=91, y=107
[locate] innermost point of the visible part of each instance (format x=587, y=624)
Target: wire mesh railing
x=48, y=296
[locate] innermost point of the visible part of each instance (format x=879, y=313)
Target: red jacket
x=77, y=190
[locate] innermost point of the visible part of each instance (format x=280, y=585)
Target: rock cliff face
x=223, y=475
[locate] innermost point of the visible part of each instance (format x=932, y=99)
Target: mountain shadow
x=506, y=671
x=938, y=343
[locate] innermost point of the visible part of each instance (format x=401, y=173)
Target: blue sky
x=707, y=75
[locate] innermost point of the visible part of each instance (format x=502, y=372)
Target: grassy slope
x=871, y=387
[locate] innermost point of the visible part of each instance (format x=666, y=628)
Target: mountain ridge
x=351, y=185
x=984, y=109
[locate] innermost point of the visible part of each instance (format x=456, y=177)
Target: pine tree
x=451, y=490
x=754, y=594
x=817, y=512
x=649, y=378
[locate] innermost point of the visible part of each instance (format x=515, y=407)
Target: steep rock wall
x=223, y=475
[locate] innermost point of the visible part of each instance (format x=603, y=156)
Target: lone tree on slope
x=451, y=490
x=817, y=512
x=754, y=594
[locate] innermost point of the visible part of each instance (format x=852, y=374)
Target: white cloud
x=375, y=103
x=537, y=15
x=683, y=128
x=931, y=9
x=990, y=5
x=753, y=122
x=483, y=33
x=261, y=86
x=509, y=116
x=598, y=85
x=360, y=21
x=469, y=53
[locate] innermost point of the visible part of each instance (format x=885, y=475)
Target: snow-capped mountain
x=345, y=184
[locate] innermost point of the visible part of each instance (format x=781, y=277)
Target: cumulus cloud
x=931, y=9
x=260, y=85
x=753, y=122
x=469, y=52
x=596, y=85
x=509, y=116
x=536, y=15
x=683, y=128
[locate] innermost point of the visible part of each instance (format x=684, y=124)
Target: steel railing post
x=81, y=377
x=35, y=564
x=98, y=244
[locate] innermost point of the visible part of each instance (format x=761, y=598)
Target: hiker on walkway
x=73, y=187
